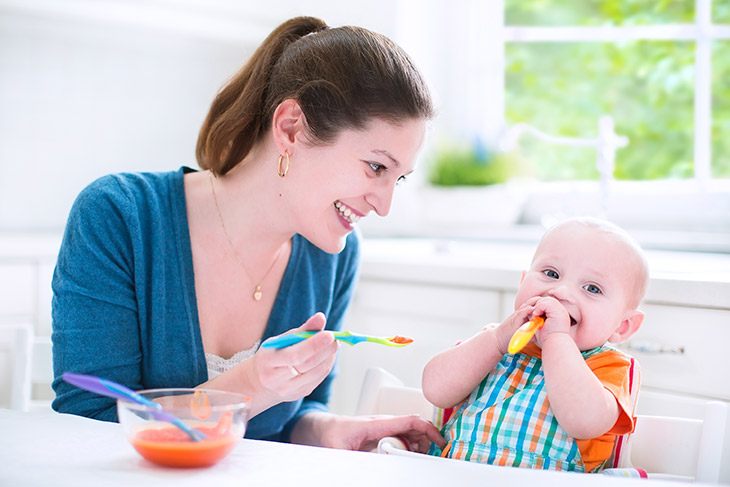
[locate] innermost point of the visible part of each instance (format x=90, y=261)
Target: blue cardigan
x=124, y=305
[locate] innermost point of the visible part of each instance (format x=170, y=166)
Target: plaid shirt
x=507, y=419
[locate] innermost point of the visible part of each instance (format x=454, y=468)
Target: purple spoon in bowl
x=108, y=388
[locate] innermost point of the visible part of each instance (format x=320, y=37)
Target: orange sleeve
x=613, y=369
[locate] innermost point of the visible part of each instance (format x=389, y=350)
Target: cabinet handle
x=646, y=346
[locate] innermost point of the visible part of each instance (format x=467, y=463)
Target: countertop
x=680, y=278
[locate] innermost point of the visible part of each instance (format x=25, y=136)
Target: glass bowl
x=221, y=416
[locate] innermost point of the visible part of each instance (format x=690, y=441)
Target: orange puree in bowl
x=173, y=448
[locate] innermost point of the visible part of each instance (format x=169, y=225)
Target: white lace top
x=217, y=365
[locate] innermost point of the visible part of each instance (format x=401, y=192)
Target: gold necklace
x=258, y=292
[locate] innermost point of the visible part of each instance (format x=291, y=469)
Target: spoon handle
x=283, y=341
x=105, y=387
x=524, y=334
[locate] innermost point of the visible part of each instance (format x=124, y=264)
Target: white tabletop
x=51, y=449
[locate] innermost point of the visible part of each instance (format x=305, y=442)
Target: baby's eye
x=593, y=289
x=551, y=273
x=377, y=168
x=401, y=180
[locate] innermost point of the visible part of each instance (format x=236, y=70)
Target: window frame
x=461, y=49
x=703, y=32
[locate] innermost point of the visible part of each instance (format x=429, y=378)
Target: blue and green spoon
x=283, y=341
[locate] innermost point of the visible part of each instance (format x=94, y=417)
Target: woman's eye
x=377, y=168
x=551, y=273
x=593, y=289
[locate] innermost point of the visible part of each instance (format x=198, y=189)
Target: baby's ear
x=630, y=325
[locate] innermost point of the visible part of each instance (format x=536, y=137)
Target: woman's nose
x=381, y=199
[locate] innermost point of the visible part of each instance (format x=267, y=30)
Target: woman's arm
x=95, y=326
x=342, y=284
x=364, y=432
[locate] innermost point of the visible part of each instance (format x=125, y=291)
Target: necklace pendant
x=258, y=293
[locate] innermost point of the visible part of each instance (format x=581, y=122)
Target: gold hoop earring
x=283, y=170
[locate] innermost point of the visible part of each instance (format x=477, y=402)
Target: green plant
x=464, y=166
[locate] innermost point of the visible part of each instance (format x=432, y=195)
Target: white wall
x=89, y=87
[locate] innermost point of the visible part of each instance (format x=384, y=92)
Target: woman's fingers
x=413, y=427
x=304, y=354
x=308, y=354
x=308, y=380
x=313, y=323
x=295, y=371
x=324, y=353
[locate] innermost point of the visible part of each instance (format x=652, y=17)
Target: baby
x=560, y=403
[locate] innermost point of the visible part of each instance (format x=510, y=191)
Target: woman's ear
x=287, y=122
x=629, y=325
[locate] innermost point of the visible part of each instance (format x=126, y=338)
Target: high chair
x=384, y=393
x=674, y=448
x=32, y=364
x=669, y=448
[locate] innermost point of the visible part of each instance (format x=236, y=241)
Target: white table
x=50, y=449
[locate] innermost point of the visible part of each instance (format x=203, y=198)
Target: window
x=648, y=64
x=658, y=69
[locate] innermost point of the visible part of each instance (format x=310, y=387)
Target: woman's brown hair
x=341, y=77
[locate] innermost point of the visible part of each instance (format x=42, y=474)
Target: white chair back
x=675, y=448
x=32, y=364
x=384, y=393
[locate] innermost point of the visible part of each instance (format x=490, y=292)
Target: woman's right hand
x=288, y=374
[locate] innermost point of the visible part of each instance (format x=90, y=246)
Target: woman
x=174, y=279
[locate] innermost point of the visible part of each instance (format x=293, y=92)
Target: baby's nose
x=561, y=292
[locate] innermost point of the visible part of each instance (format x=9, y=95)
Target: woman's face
x=339, y=183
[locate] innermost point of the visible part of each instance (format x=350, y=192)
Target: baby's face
x=591, y=273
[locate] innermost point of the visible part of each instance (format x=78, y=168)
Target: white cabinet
x=682, y=350
x=435, y=317
x=17, y=290
x=26, y=269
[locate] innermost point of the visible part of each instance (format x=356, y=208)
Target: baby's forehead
x=589, y=232
x=602, y=245
x=581, y=244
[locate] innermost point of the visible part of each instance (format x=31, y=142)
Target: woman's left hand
x=364, y=432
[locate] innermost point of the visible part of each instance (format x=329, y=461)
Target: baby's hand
x=507, y=328
x=557, y=319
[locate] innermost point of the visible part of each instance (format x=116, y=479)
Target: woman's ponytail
x=341, y=77
x=238, y=116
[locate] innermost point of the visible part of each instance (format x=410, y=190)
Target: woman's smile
x=347, y=215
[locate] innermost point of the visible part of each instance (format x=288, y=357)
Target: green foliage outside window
x=647, y=86
x=721, y=108
x=721, y=11
x=598, y=12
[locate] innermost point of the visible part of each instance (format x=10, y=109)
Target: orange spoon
x=524, y=334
